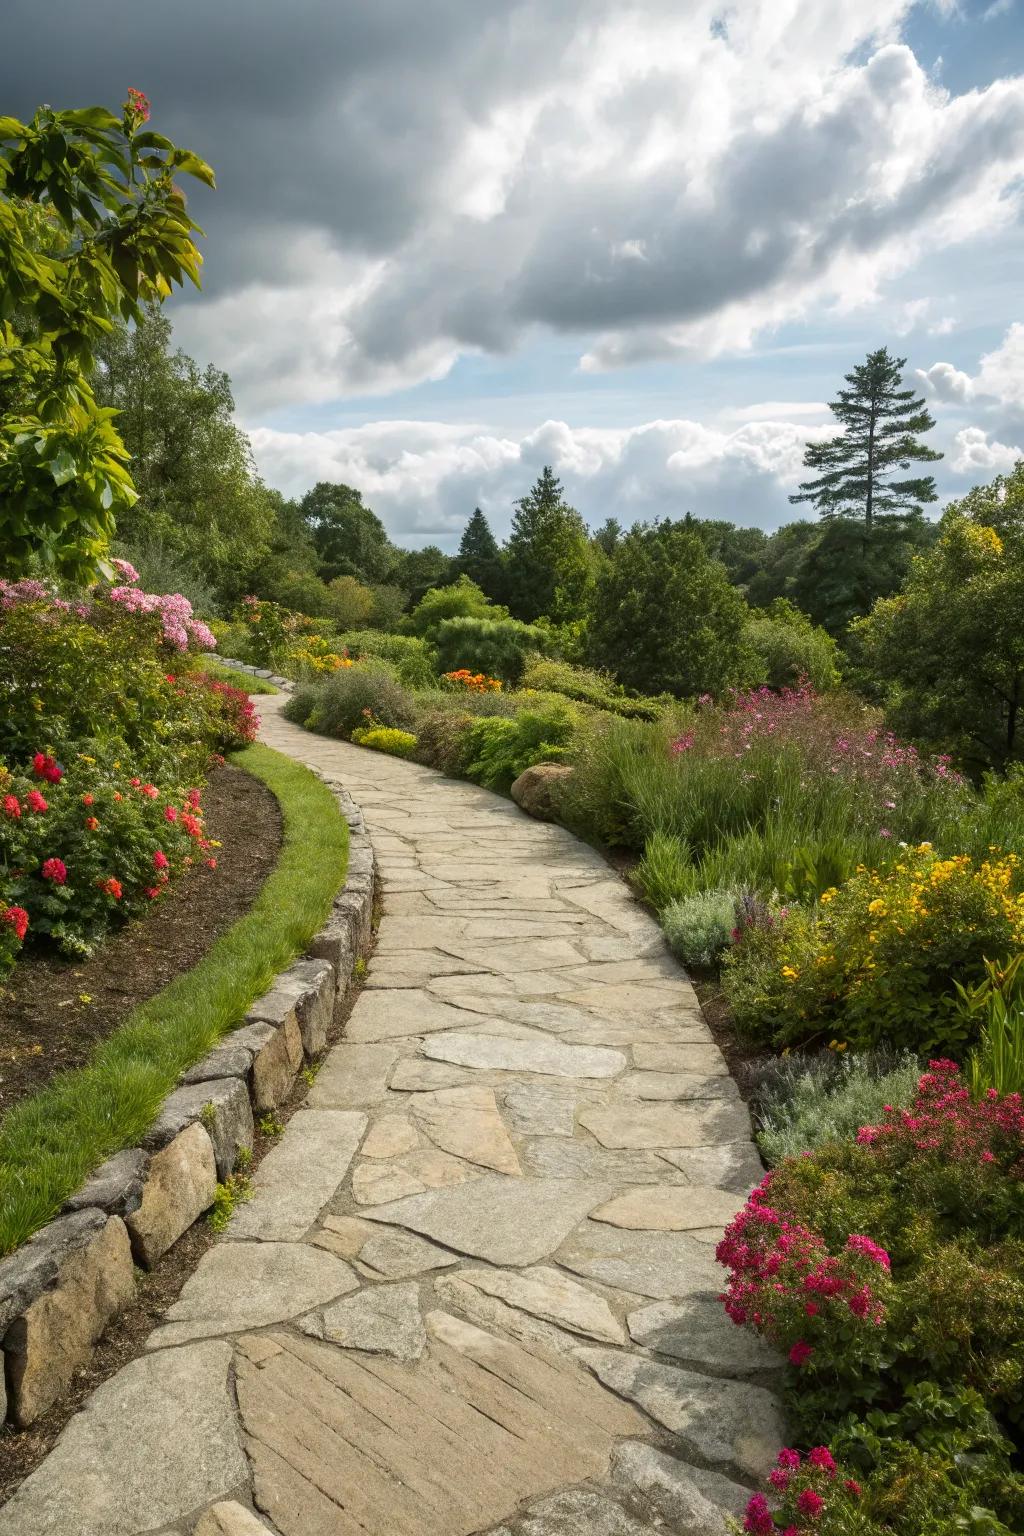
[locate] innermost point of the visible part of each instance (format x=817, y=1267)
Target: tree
x=948, y=651
x=666, y=619
x=791, y=649
x=549, y=561
x=417, y=570
x=350, y=540
x=92, y=226
x=608, y=535
x=479, y=557
x=349, y=603
x=842, y=572
x=199, y=493
x=462, y=600
x=882, y=424
x=741, y=550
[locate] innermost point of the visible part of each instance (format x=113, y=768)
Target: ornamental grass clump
x=879, y=960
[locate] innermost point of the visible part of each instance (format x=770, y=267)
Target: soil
x=54, y=1012
x=21, y=1451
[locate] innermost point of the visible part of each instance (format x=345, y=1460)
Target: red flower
x=111, y=887
x=193, y=826
x=153, y=891
x=45, y=767
x=135, y=783
x=160, y=860
x=759, y=1517
x=137, y=105
x=211, y=863
x=853, y=1487
x=810, y=1503
x=822, y=1457
x=150, y=791
x=88, y=799
x=12, y=806
x=16, y=918
x=91, y=824
x=800, y=1353
x=192, y=798
x=35, y=801
x=170, y=814
x=55, y=870
x=118, y=795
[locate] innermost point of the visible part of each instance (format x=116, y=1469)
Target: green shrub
x=383, y=738
x=462, y=600
x=499, y=750
x=499, y=647
x=587, y=687
x=410, y=657
x=792, y=651
x=699, y=928
x=805, y=1101
x=352, y=697
x=443, y=741
x=664, y=871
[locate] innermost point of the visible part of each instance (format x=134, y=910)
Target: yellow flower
x=790, y=972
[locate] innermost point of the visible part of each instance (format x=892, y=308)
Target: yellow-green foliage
x=385, y=738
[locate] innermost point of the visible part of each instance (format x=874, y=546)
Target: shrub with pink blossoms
x=893, y=1260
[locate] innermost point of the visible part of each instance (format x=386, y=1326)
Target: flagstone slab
x=389, y=1014
x=412, y=1075
x=552, y=1296
x=399, y=1255
x=677, y=1087
x=703, y=1059
x=384, y=1320
x=553, y=1157
x=155, y=1442
x=248, y=1285
x=352, y=1077
x=730, y=1426
x=690, y=1499
x=663, y=1265
x=505, y=1221
x=661, y=1208
x=700, y=1333
x=665, y=1125
x=299, y=1176
x=733, y=1165
x=389, y=1136
x=374, y=1182
x=540, y=1055
x=540, y=1109
x=466, y=1122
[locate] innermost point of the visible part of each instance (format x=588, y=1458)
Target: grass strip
x=235, y=677
x=52, y=1141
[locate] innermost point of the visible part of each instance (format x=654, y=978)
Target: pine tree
x=882, y=423
x=549, y=561
x=479, y=557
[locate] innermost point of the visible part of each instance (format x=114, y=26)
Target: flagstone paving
x=475, y=1289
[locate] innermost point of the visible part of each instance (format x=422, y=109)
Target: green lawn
x=52, y=1141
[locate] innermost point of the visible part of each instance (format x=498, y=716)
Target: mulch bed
x=54, y=1012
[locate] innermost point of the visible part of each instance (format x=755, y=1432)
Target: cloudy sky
x=454, y=240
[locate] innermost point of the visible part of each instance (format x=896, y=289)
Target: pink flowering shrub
x=896, y=1259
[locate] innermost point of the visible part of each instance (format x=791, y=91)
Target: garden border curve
x=63, y=1287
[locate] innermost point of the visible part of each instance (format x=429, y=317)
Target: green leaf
x=150, y=140
x=191, y=164
x=90, y=117
x=10, y=128
x=63, y=467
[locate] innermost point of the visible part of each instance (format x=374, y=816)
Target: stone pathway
x=476, y=1287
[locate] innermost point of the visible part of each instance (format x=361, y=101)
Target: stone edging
x=63, y=1287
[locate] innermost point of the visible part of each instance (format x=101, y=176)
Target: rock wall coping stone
x=61, y=1289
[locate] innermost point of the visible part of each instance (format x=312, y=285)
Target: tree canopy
x=93, y=225
x=948, y=651
x=549, y=560
x=666, y=618
x=479, y=557
x=882, y=423
x=349, y=539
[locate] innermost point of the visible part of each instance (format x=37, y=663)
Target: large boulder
x=537, y=791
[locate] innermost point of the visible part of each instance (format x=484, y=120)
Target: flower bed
x=890, y=1270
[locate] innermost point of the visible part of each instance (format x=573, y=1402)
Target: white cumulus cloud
x=982, y=456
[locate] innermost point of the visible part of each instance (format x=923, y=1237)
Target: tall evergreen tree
x=549, y=561
x=479, y=557
x=882, y=424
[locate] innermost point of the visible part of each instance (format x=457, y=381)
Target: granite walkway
x=476, y=1289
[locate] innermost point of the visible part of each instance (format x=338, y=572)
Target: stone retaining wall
x=60, y=1291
